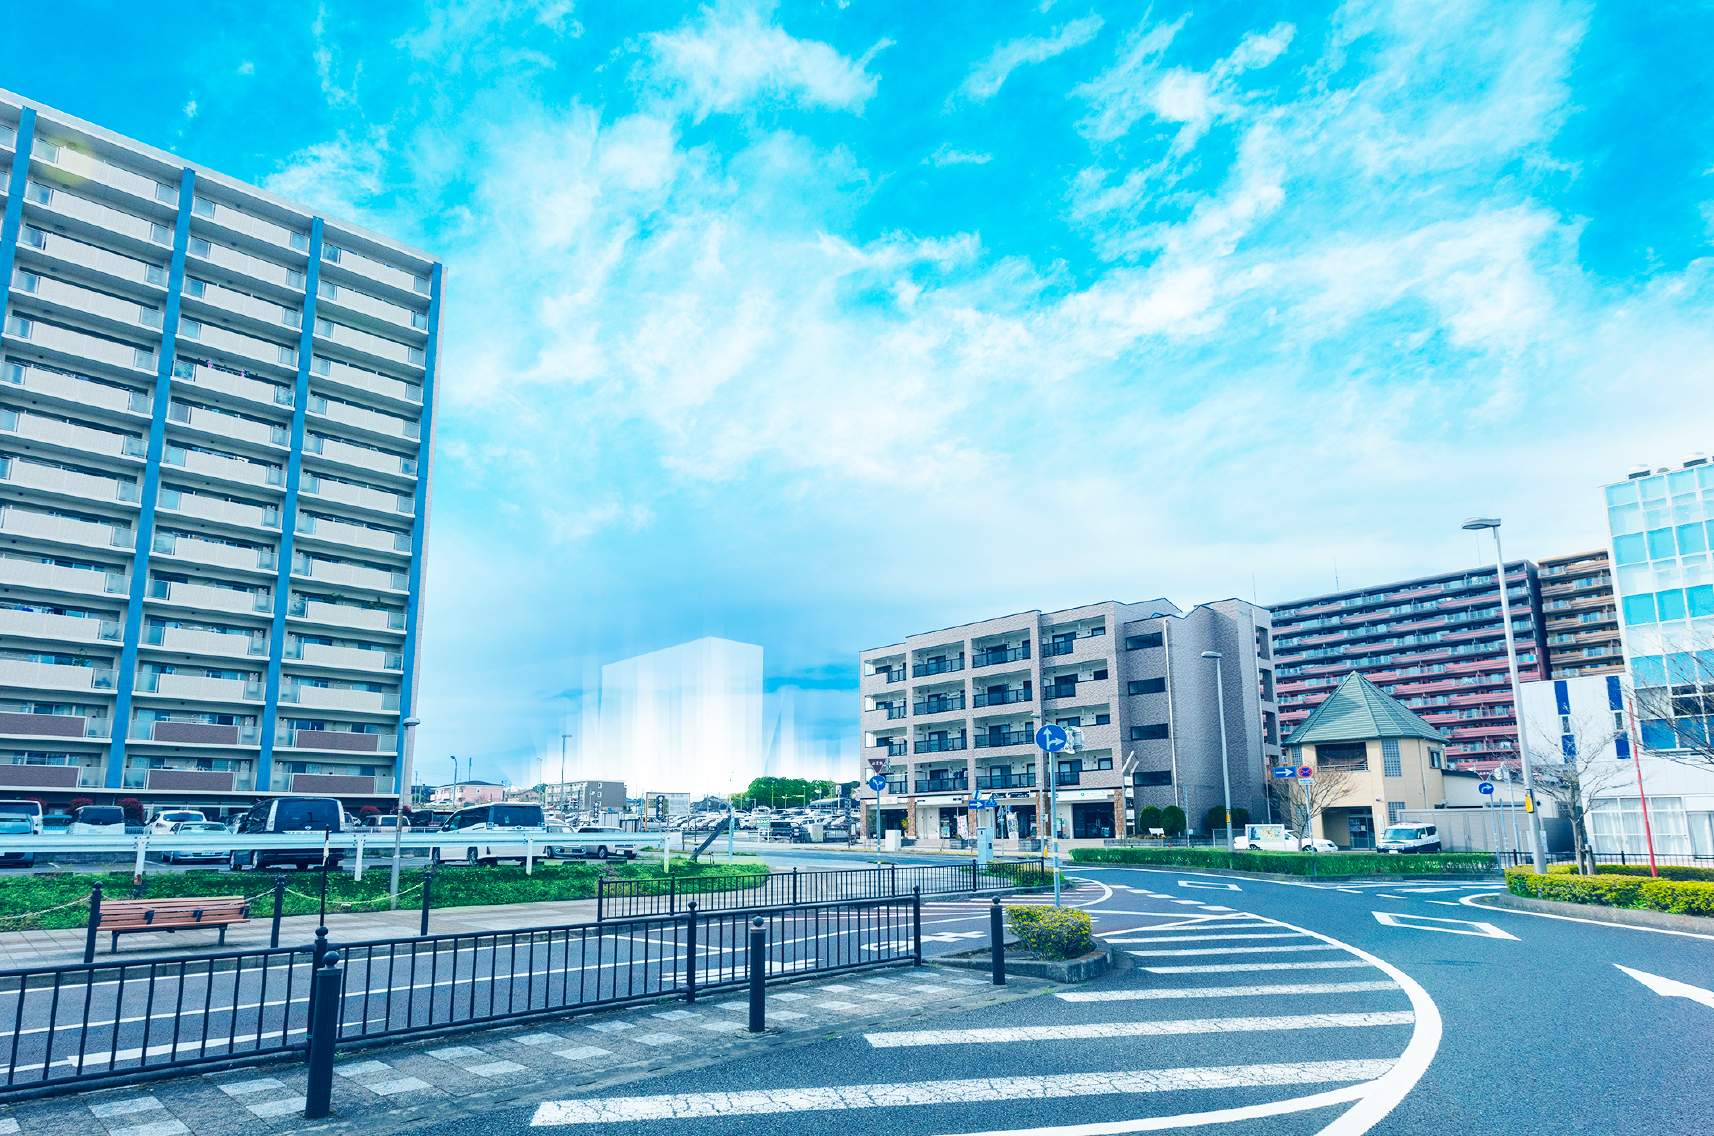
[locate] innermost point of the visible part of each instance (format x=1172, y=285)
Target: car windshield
x=95, y=814
x=201, y=826
x=1402, y=833
x=309, y=814
x=16, y=824
x=56, y=821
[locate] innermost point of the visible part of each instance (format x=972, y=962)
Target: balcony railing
x=940, y=704
x=1064, y=647
x=947, y=785
x=898, y=711
x=1007, y=781
x=936, y=666
x=940, y=745
x=1068, y=777
x=896, y=787
x=996, y=655
x=1066, y=690
x=1002, y=698
x=894, y=749
x=1015, y=738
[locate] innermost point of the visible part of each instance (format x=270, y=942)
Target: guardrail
x=628, y=899
x=66, y=1029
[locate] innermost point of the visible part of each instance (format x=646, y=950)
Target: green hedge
x=1296, y=863
x=1053, y=933
x=1640, y=893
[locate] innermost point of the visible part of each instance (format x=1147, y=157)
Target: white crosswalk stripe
x=1225, y=991
x=1061, y=1032
x=1226, y=967
x=1231, y=951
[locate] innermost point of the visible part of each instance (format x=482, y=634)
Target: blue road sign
x=1052, y=739
x=1485, y=787
x=877, y=783
x=1285, y=771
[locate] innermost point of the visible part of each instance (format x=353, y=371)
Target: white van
x=31, y=809
x=1277, y=838
x=167, y=818
x=98, y=820
x=467, y=825
x=1409, y=838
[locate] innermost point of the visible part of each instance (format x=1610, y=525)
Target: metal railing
x=630, y=899
x=1015, y=738
x=939, y=704
x=944, y=785
x=993, y=656
x=940, y=745
x=1007, y=781
x=1002, y=697
x=937, y=666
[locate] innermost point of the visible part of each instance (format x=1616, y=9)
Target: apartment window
x=326, y=290
x=156, y=275
x=35, y=238
x=1103, y=719
x=166, y=193
x=324, y=328
x=1434, y=759
x=37, y=192
x=1149, y=733
x=288, y=357
x=1103, y=763
x=28, y=281
x=1142, y=642
x=1390, y=765
x=320, y=365
x=1151, y=777
x=20, y=327
x=300, y=242
x=190, y=329
x=415, y=355
x=419, y=320
x=195, y=288
x=330, y=254
x=1099, y=675
x=1395, y=811
x=202, y=207
x=422, y=284
x=200, y=247
x=294, y=278
x=1146, y=686
x=160, y=234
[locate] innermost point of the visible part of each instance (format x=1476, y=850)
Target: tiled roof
x=1357, y=711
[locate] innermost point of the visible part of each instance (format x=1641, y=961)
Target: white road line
x=1470, y=901
x=1210, y=887
x=1670, y=987
x=1226, y=967
x=1425, y=923
x=1228, y=991
x=1135, y=1029
x=1203, y=938
x=1229, y=951
x=687, y=1106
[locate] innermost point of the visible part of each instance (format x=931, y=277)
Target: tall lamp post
x=404, y=786
x=564, y=790
x=1537, y=844
x=1225, y=772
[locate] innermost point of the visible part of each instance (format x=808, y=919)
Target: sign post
x=1051, y=740
x=878, y=769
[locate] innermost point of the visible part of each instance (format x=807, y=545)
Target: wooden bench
x=125, y=916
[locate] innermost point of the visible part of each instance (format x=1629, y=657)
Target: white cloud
x=246, y=68
x=733, y=55
x=189, y=110
x=988, y=76
x=945, y=155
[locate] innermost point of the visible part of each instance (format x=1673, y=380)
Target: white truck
x=1277, y=838
x=1409, y=838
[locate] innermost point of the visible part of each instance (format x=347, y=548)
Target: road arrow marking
x=1669, y=988
x=1210, y=887
x=1426, y=923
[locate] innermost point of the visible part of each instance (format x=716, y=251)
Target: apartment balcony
x=199, y=688
x=336, y=299
x=945, y=785
x=336, y=741
x=361, y=418
x=189, y=780
x=59, y=628
x=215, y=554
x=1065, y=777
x=1062, y=647
x=26, y=777
x=894, y=749
x=357, y=457
x=64, y=530
x=337, y=785
x=940, y=745
x=369, y=347
x=364, y=381
x=202, y=297
x=210, y=598
x=234, y=513
x=83, y=306
x=53, y=578
x=191, y=642
x=936, y=666
x=85, y=261
x=77, y=349
x=893, y=712
x=991, y=740
x=360, y=496
x=1009, y=781
x=994, y=656
x=21, y=674
x=54, y=726
x=80, y=392
x=367, y=268
x=195, y=733
x=1058, y=693
x=345, y=615
x=223, y=220
x=229, y=425
x=337, y=698
x=940, y=704
x=69, y=436
x=235, y=263
x=83, y=215
x=350, y=575
x=347, y=658
x=225, y=468
x=251, y=390
x=85, y=168
x=1002, y=698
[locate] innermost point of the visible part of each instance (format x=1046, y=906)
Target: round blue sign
x=1052, y=739
x=1485, y=787
x=877, y=783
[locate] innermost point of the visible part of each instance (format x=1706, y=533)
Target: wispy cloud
x=988, y=76
x=946, y=155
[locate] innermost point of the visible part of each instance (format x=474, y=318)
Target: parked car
x=469, y=825
x=56, y=822
x=385, y=821
x=289, y=814
x=98, y=820
x=1277, y=838
x=552, y=828
x=166, y=819
x=1409, y=838
x=196, y=855
x=16, y=824
x=601, y=841
x=30, y=809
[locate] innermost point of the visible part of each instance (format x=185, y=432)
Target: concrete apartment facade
x=954, y=712
x=1580, y=615
x=216, y=427
x=1435, y=643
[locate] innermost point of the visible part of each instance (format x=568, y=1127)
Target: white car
x=165, y=820
x=1409, y=838
x=1277, y=838
x=196, y=855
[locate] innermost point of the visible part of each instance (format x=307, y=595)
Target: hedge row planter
x=1091, y=966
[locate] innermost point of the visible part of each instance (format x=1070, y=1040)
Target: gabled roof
x=1357, y=711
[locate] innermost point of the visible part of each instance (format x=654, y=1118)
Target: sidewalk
x=20, y=949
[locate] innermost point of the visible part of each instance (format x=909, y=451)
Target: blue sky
x=817, y=324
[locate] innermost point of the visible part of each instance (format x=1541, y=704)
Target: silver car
x=207, y=855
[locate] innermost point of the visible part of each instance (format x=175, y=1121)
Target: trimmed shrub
x=1053, y=933
x=1215, y=821
x=133, y=809
x=1296, y=863
x=1667, y=871
x=1148, y=818
x=1173, y=820
x=1639, y=893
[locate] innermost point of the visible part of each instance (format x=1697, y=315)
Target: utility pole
x=564, y=790
x=455, y=783
x=410, y=726
x=1225, y=771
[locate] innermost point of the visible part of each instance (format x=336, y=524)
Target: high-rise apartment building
x=215, y=435
x=1580, y=615
x=1436, y=643
x=954, y=712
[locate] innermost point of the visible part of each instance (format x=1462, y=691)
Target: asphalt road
x=1248, y=1007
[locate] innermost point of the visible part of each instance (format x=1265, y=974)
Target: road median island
x=1291, y=865
x=1616, y=892
x=1621, y=916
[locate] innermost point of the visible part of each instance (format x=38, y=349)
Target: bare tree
x=1307, y=799
x=1570, y=773
x=1677, y=709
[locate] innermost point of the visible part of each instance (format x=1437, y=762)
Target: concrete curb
x=1090, y=966
x=1278, y=877
x=1625, y=916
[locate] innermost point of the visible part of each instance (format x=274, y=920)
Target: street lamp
x=1538, y=846
x=563, y=791
x=1225, y=773
x=403, y=785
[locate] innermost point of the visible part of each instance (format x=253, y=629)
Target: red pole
x=1637, y=760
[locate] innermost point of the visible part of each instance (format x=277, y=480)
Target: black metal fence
x=71, y=1027
x=668, y=895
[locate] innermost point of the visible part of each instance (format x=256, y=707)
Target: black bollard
x=94, y=925
x=690, y=954
x=428, y=882
x=997, y=941
x=758, y=975
x=323, y=1037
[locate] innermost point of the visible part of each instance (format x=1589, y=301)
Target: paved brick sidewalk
x=394, y=1087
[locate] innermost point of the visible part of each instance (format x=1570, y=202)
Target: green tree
x=1148, y=818
x=1173, y=820
x=1216, y=819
